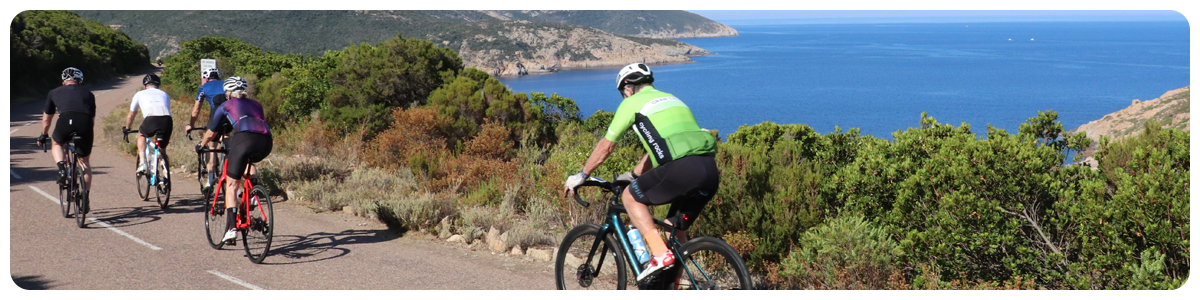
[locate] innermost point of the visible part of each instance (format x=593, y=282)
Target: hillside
x=1171, y=109
x=43, y=43
x=505, y=43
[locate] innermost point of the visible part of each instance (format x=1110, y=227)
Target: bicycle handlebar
x=189, y=132
x=593, y=181
x=126, y=132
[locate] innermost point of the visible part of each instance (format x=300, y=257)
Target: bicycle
x=701, y=263
x=255, y=226
x=159, y=177
x=70, y=194
x=202, y=171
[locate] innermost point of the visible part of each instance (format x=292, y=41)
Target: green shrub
x=845, y=253
x=43, y=43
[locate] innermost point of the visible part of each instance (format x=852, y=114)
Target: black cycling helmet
x=150, y=79
x=635, y=73
x=71, y=73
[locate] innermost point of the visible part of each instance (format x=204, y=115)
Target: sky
x=749, y=17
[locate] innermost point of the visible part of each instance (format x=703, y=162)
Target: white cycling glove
x=627, y=176
x=574, y=181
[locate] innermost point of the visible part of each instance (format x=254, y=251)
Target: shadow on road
x=130, y=216
x=31, y=282
x=323, y=245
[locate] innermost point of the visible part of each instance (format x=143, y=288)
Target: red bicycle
x=255, y=217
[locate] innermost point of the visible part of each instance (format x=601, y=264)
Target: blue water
x=880, y=77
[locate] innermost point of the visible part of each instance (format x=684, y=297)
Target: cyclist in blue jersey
x=250, y=142
x=211, y=91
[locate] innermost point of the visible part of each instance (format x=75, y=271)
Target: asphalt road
x=132, y=244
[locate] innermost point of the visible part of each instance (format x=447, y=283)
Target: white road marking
x=18, y=128
x=14, y=130
x=234, y=280
x=110, y=227
x=14, y=173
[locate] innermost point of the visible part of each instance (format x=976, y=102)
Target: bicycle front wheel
x=573, y=271
x=214, y=218
x=163, y=186
x=257, y=238
x=143, y=181
x=711, y=264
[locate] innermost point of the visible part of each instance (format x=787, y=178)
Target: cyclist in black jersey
x=76, y=109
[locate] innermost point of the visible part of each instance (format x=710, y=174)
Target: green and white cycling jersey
x=664, y=124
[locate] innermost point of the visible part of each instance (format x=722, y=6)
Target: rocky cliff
x=1171, y=109
x=517, y=48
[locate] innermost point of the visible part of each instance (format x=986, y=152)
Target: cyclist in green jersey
x=679, y=167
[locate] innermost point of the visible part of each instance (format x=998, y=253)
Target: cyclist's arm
x=603, y=149
x=195, y=112
x=642, y=166
x=133, y=106
x=47, y=115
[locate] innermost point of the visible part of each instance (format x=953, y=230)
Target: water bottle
x=639, y=245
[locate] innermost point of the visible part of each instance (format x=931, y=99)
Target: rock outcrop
x=539, y=48
x=1171, y=109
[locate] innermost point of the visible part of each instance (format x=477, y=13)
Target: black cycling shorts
x=78, y=124
x=159, y=126
x=687, y=183
x=245, y=148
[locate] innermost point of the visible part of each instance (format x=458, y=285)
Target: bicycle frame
x=152, y=162
x=243, y=222
x=613, y=224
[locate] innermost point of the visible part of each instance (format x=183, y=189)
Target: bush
x=845, y=253
x=43, y=43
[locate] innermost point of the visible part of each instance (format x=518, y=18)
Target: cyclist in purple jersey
x=250, y=142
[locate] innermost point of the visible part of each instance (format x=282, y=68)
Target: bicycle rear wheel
x=711, y=264
x=214, y=218
x=81, y=199
x=163, y=186
x=257, y=238
x=606, y=271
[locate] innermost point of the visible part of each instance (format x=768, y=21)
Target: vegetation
x=450, y=150
x=293, y=31
x=43, y=43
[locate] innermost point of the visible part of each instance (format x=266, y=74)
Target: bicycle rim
x=163, y=187
x=214, y=219
x=64, y=200
x=143, y=182
x=573, y=272
x=257, y=238
x=711, y=264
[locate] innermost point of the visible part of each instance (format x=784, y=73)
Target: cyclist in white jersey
x=156, y=113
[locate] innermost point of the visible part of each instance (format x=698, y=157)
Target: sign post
x=206, y=64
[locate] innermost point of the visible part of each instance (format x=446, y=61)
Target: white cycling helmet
x=71, y=73
x=636, y=73
x=235, y=83
x=211, y=73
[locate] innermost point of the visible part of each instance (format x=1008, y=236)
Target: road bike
x=158, y=170
x=71, y=197
x=600, y=256
x=255, y=220
x=205, y=176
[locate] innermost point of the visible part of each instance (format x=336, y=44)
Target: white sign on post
x=206, y=64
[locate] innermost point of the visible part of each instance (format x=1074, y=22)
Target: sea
x=879, y=78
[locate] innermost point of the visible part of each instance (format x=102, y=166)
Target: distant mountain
x=503, y=43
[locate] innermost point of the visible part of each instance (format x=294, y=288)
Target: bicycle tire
x=163, y=186
x=143, y=181
x=81, y=204
x=710, y=263
x=214, y=218
x=257, y=238
x=575, y=247
x=64, y=200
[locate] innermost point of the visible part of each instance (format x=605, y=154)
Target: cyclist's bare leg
x=56, y=150
x=231, y=187
x=639, y=215
x=141, y=143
